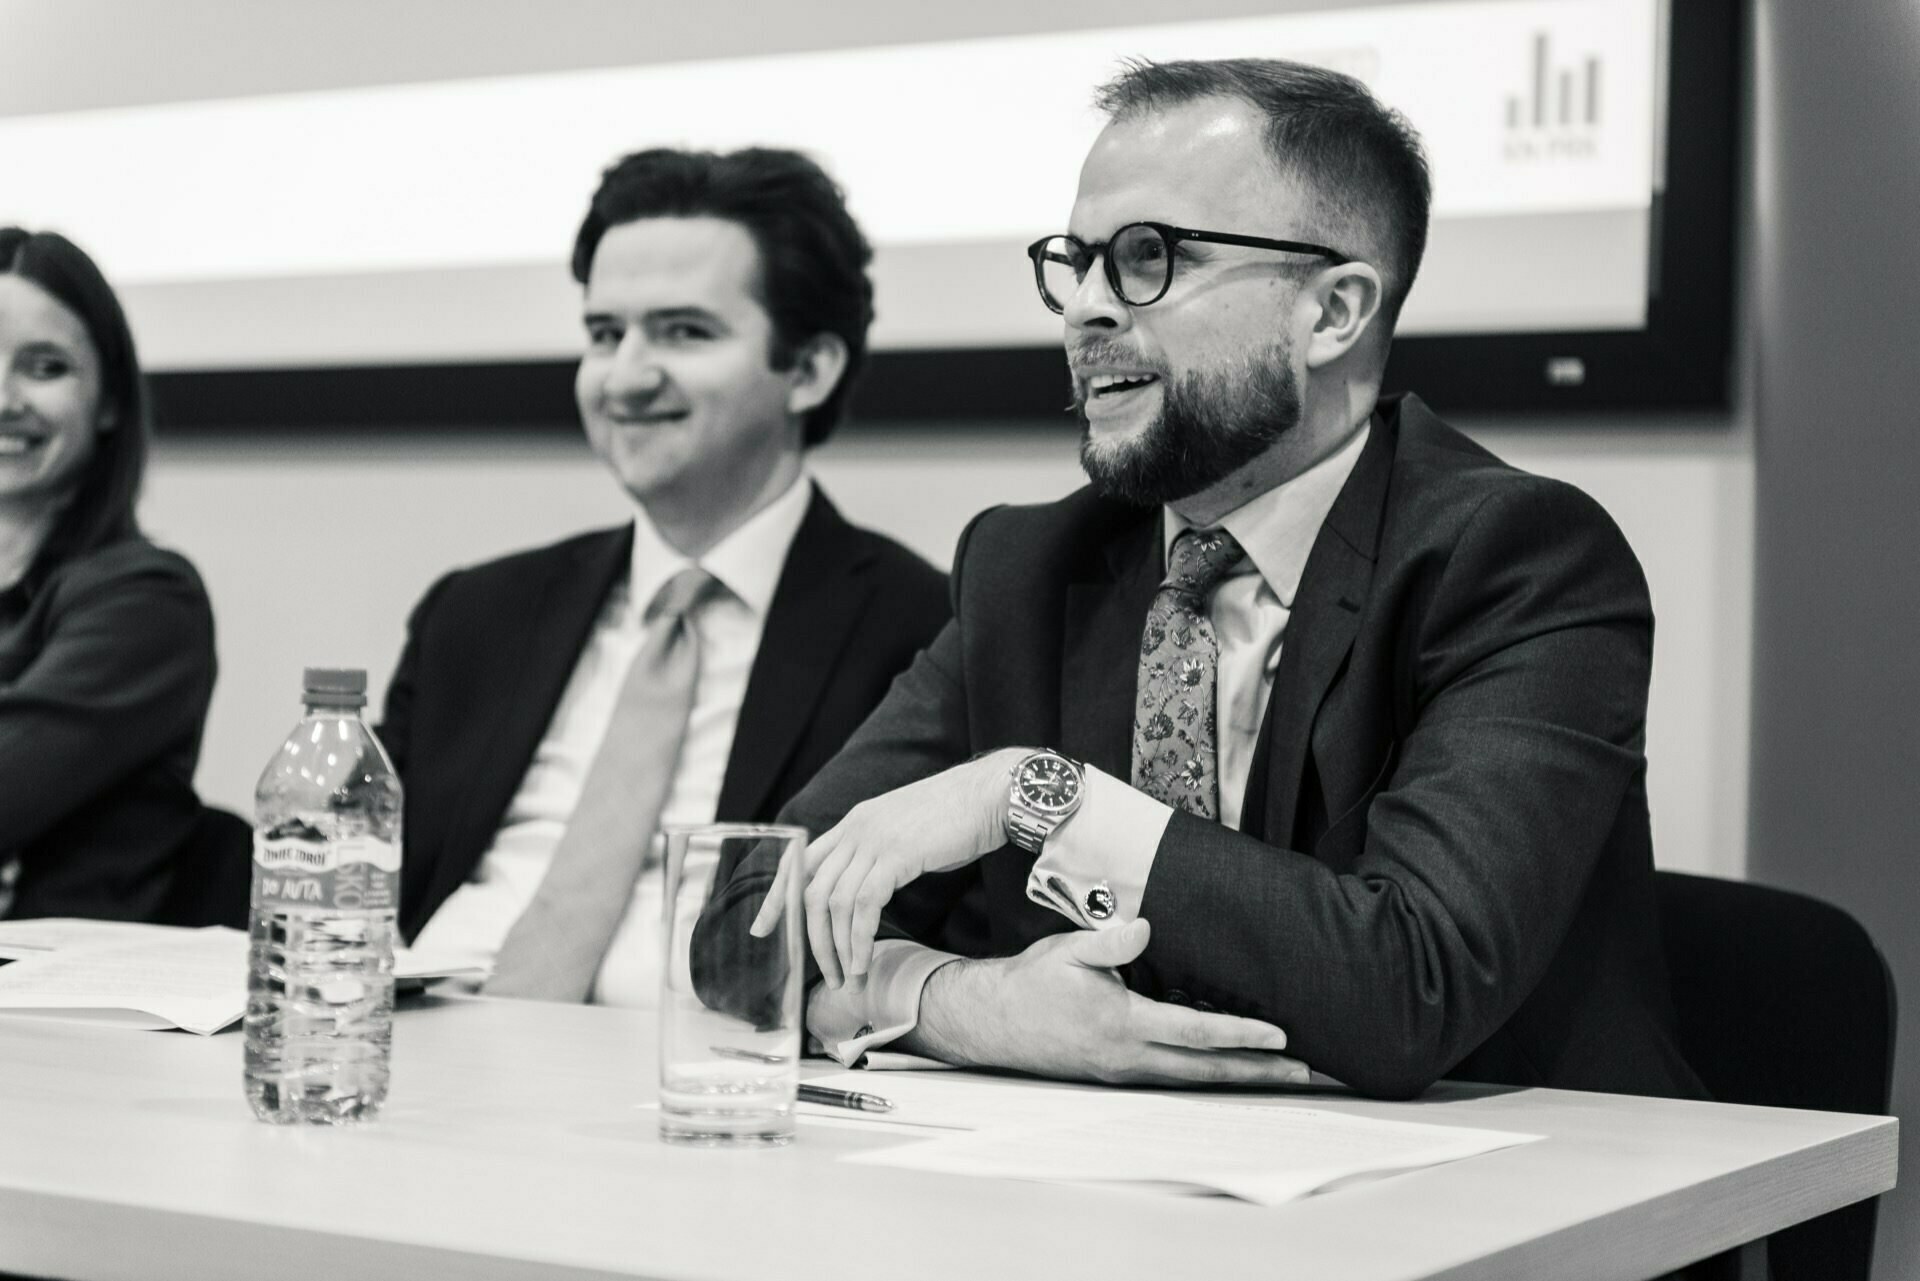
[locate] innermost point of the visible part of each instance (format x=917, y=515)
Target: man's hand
x=938, y=824
x=1059, y=1010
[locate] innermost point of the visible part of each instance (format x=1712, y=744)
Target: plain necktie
x=554, y=950
x=1175, y=719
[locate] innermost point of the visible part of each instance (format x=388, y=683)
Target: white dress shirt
x=473, y=922
x=1114, y=836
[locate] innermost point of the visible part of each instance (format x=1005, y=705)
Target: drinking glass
x=730, y=1031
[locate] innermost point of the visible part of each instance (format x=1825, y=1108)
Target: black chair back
x=1784, y=1001
x=213, y=873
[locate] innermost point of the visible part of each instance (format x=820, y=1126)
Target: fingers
x=1106, y=949
x=875, y=891
x=1176, y=1025
x=1175, y=1065
x=773, y=906
x=863, y=888
x=775, y=903
x=841, y=899
x=820, y=886
x=846, y=887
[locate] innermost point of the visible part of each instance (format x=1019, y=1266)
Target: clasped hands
x=1057, y=1009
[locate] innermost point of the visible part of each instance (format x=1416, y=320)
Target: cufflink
x=1101, y=902
x=866, y=1029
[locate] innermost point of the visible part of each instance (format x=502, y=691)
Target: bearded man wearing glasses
x=1310, y=733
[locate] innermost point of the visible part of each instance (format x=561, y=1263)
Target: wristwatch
x=1047, y=789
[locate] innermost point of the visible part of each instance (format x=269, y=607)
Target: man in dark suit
x=551, y=708
x=1310, y=725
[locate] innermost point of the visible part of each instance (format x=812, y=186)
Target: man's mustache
x=1096, y=352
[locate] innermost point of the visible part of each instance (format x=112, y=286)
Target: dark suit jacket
x=1445, y=866
x=490, y=649
x=106, y=668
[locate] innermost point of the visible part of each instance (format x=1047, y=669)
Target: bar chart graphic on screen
x=1558, y=96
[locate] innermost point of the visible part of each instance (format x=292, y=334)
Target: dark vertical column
x=1593, y=91
x=1835, y=781
x=1566, y=99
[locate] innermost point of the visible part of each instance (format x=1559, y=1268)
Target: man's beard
x=1211, y=423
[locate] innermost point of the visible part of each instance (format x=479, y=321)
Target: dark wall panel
x=1836, y=700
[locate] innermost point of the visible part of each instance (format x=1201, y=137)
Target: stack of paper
x=1265, y=1152
x=141, y=976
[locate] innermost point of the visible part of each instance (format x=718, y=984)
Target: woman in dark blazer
x=106, y=641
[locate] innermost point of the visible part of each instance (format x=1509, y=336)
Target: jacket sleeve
x=126, y=671
x=1529, y=664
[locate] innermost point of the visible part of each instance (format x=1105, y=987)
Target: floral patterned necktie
x=1174, y=717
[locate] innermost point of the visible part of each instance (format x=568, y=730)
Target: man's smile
x=1118, y=384
x=651, y=418
x=1109, y=393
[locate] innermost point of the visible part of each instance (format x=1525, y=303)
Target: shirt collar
x=747, y=562
x=1277, y=528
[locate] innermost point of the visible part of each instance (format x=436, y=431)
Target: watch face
x=1049, y=784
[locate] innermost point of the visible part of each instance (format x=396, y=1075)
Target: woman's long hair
x=101, y=508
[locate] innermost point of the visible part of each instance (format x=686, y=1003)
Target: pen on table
x=810, y=1093
x=844, y=1099
x=748, y=1056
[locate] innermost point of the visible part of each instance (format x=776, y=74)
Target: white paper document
x=1264, y=1153
x=21, y=939
x=138, y=976
x=188, y=980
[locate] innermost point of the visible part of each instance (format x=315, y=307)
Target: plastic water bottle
x=326, y=885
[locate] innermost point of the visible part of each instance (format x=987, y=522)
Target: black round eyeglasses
x=1139, y=260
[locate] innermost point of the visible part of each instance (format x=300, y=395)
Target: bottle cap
x=336, y=687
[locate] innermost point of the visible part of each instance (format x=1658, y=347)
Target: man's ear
x=1349, y=296
x=817, y=369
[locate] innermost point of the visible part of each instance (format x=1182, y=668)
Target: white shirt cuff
x=878, y=1009
x=1093, y=868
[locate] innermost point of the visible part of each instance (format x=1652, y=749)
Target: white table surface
x=515, y=1144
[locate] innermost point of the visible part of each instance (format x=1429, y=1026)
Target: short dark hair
x=813, y=257
x=101, y=510
x=1361, y=161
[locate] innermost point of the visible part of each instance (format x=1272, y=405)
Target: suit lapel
x=1106, y=611
x=1320, y=630
x=822, y=592
x=525, y=679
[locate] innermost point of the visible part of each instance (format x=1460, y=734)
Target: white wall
x=315, y=550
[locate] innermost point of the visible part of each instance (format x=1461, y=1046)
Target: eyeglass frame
x=1170, y=236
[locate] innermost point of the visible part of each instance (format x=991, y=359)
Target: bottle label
x=294, y=869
